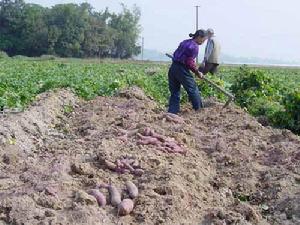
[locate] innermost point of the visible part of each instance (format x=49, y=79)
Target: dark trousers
x=179, y=75
x=209, y=68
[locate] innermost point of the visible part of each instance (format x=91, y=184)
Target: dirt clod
x=84, y=198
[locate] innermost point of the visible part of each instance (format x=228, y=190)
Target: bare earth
x=235, y=171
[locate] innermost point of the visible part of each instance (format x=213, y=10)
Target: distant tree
x=66, y=24
x=98, y=39
x=68, y=30
x=11, y=25
x=35, y=31
x=22, y=28
x=127, y=29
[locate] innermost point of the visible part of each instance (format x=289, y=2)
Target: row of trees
x=68, y=30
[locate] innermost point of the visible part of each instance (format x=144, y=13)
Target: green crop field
x=269, y=92
x=22, y=80
x=287, y=76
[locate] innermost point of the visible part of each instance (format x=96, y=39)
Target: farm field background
x=272, y=93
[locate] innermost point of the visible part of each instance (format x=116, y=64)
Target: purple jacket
x=186, y=52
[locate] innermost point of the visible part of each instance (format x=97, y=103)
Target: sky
x=245, y=28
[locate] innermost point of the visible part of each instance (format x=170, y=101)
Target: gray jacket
x=212, y=51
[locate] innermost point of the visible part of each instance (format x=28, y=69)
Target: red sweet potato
x=125, y=207
x=101, y=199
x=115, y=196
x=132, y=189
x=110, y=165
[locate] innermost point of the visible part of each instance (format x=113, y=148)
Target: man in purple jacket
x=179, y=72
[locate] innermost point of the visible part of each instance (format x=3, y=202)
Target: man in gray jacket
x=211, y=59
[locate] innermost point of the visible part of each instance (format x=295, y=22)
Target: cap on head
x=199, y=33
x=210, y=31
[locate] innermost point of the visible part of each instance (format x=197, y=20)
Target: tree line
x=68, y=30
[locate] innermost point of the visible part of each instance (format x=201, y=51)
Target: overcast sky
x=250, y=28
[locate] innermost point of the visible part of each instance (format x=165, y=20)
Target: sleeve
x=191, y=54
x=191, y=64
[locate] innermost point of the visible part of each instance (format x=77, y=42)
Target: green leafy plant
x=291, y=103
x=3, y=55
x=262, y=95
x=251, y=84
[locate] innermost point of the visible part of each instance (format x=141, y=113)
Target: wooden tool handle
x=218, y=87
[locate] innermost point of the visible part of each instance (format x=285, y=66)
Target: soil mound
x=215, y=166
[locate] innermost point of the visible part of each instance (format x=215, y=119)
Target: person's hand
x=199, y=74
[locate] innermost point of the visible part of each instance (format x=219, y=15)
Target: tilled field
x=215, y=166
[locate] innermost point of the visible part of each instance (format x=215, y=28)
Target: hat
x=210, y=31
x=201, y=33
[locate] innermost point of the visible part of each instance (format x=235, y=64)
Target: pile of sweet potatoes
x=124, y=165
x=161, y=142
x=124, y=206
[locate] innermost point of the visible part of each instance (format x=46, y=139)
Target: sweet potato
x=125, y=207
x=128, y=160
x=119, y=163
x=132, y=189
x=115, y=196
x=110, y=165
x=101, y=199
x=162, y=143
x=147, y=140
x=129, y=167
x=51, y=191
x=103, y=185
x=173, y=118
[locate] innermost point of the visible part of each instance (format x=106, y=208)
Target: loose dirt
x=215, y=166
